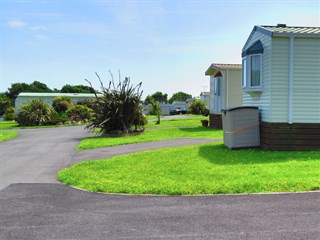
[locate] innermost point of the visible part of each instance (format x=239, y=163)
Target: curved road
x=34, y=206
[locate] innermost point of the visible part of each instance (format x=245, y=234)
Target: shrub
x=155, y=109
x=58, y=118
x=5, y=102
x=86, y=102
x=9, y=114
x=140, y=121
x=34, y=113
x=119, y=110
x=79, y=113
x=61, y=103
x=197, y=106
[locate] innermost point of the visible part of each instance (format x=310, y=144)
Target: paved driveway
x=35, y=206
x=37, y=154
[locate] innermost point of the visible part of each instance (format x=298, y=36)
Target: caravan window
x=217, y=86
x=255, y=70
x=244, y=72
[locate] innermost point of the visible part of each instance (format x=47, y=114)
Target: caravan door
x=217, y=94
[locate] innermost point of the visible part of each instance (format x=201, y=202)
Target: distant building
x=49, y=97
x=205, y=96
x=225, y=90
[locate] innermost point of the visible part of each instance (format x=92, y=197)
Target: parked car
x=177, y=111
x=183, y=110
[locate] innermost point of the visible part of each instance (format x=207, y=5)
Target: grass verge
x=201, y=169
x=168, y=129
x=183, y=122
x=5, y=136
x=6, y=125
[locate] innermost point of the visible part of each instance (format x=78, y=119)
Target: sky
x=166, y=45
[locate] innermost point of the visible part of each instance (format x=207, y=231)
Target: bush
x=197, y=107
x=5, y=102
x=9, y=114
x=61, y=103
x=155, y=109
x=119, y=110
x=79, y=113
x=58, y=118
x=86, y=102
x=34, y=113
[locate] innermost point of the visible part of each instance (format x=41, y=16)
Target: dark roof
x=282, y=29
x=216, y=67
x=255, y=48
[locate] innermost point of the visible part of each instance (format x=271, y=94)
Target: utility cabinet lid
x=238, y=108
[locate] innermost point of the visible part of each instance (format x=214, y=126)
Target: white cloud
x=94, y=29
x=38, y=28
x=16, y=24
x=41, y=37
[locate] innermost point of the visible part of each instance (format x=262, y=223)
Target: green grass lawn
x=182, y=122
x=168, y=129
x=5, y=136
x=5, y=125
x=151, y=117
x=201, y=169
x=8, y=124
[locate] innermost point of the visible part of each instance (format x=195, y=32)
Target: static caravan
x=225, y=90
x=49, y=97
x=281, y=76
x=205, y=96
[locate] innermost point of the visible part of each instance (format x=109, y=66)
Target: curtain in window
x=244, y=71
x=255, y=70
x=217, y=86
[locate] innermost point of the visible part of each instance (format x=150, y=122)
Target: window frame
x=217, y=86
x=249, y=79
x=244, y=72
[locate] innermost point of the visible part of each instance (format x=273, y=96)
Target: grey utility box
x=241, y=127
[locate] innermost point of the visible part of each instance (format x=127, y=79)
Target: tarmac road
x=33, y=205
x=36, y=155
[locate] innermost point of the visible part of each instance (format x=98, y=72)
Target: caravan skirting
x=215, y=121
x=287, y=137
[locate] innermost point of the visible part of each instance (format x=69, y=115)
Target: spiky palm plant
x=34, y=113
x=119, y=109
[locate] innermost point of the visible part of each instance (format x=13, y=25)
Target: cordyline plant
x=118, y=110
x=34, y=113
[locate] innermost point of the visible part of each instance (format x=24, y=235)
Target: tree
x=158, y=97
x=197, y=106
x=119, y=109
x=76, y=89
x=17, y=88
x=39, y=87
x=148, y=100
x=180, y=96
x=156, y=110
x=5, y=102
x=9, y=114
